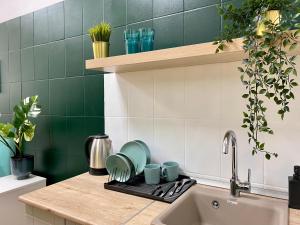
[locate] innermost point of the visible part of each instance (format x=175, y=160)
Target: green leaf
x=268, y=156
x=262, y=91
x=7, y=130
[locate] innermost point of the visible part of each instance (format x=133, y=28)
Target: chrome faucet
x=236, y=187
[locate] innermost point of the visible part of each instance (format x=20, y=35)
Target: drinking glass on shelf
x=132, y=41
x=147, y=39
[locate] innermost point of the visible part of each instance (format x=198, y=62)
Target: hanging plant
x=268, y=28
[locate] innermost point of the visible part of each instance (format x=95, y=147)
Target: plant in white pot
x=21, y=128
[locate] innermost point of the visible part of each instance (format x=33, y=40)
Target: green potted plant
x=21, y=128
x=100, y=35
x=268, y=29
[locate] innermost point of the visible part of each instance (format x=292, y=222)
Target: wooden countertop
x=83, y=199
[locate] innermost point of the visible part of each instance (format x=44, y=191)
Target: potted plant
x=21, y=128
x=100, y=35
x=268, y=28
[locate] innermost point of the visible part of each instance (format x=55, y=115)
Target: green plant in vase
x=19, y=130
x=268, y=28
x=100, y=35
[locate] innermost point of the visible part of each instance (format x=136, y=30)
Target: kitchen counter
x=83, y=200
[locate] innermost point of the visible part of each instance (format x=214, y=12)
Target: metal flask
x=97, y=149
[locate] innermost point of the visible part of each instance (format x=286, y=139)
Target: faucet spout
x=235, y=185
x=230, y=137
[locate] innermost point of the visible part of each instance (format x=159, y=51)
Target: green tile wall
x=43, y=53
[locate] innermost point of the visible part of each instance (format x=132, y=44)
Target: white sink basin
x=203, y=205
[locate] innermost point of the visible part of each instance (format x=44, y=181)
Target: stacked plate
x=131, y=161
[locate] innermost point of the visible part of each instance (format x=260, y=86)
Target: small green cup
x=170, y=171
x=152, y=173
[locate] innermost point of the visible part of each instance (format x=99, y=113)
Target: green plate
x=137, y=154
x=119, y=168
x=132, y=173
x=146, y=148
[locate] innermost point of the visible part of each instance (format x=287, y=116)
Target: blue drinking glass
x=147, y=39
x=132, y=41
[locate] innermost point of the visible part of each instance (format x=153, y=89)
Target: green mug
x=170, y=171
x=152, y=173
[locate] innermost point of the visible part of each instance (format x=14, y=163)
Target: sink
x=204, y=205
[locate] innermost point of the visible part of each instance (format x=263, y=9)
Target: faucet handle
x=249, y=176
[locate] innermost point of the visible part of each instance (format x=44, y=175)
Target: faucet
x=236, y=186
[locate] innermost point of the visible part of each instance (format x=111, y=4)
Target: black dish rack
x=138, y=187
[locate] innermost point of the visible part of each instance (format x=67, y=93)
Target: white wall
x=10, y=9
x=183, y=113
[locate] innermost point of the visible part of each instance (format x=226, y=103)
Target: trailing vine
x=268, y=72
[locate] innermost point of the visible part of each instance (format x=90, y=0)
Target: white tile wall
x=183, y=113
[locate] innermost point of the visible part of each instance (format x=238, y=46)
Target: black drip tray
x=138, y=187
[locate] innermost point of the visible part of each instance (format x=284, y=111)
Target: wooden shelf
x=190, y=55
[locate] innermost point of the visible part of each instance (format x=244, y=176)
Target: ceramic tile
x=203, y=148
x=27, y=64
x=74, y=56
x=169, y=141
x=169, y=100
x=140, y=94
x=4, y=98
x=41, y=62
x=141, y=129
x=42, y=133
x=166, y=7
x=283, y=142
x=94, y=95
x=58, y=133
x=203, y=82
x=92, y=13
x=3, y=37
x=138, y=10
x=14, y=33
x=73, y=17
x=232, y=104
x=76, y=165
x=168, y=31
x=75, y=96
x=117, y=129
x=14, y=68
x=41, y=88
x=41, y=29
x=147, y=24
x=14, y=94
x=76, y=133
x=117, y=45
x=88, y=54
x=115, y=12
x=94, y=125
x=57, y=59
x=28, y=89
x=27, y=30
x=193, y=4
x=56, y=22
x=115, y=96
x=198, y=29
x=57, y=97
x=4, y=67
